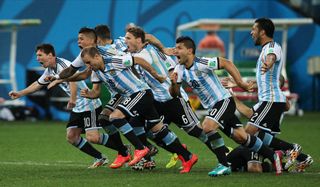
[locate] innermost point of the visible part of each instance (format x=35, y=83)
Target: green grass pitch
x=37, y=154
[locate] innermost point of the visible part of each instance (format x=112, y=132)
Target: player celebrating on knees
x=199, y=74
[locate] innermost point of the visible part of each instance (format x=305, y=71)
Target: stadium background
x=61, y=21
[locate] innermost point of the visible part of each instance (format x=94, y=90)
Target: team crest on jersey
x=127, y=63
x=198, y=73
x=212, y=63
x=270, y=50
x=112, y=72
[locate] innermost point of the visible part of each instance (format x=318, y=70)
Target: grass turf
x=36, y=154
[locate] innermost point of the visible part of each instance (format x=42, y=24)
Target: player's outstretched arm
x=145, y=65
x=234, y=72
x=35, y=86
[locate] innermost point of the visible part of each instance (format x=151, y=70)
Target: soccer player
x=138, y=100
x=174, y=109
x=84, y=111
x=303, y=160
x=272, y=102
x=199, y=74
x=87, y=37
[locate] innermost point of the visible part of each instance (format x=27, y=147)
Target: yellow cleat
x=173, y=161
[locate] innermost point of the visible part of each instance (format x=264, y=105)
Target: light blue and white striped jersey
x=202, y=79
x=158, y=61
x=82, y=104
x=111, y=49
x=105, y=51
x=268, y=83
x=118, y=76
x=119, y=44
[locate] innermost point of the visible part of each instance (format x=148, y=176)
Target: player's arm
x=145, y=65
x=92, y=93
x=151, y=39
x=35, y=86
x=270, y=60
x=242, y=108
x=234, y=72
x=73, y=95
x=76, y=77
x=175, y=86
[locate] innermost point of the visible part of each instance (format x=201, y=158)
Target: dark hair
x=103, y=32
x=89, y=32
x=138, y=32
x=46, y=48
x=267, y=25
x=91, y=51
x=187, y=42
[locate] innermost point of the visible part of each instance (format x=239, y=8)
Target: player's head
x=135, y=38
x=262, y=28
x=87, y=37
x=130, y=25
x=103, y=33
x=91, y=57
x=185, y=47
x=45, y=54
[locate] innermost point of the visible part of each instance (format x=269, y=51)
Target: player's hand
x=14, y=95
x=71, y=104
x=248, y=86
x=84, y=93
x=174, y=77
x=169, y=51
x=53, y=83
x=264, y=68
x=50, y=78
x=228, y=82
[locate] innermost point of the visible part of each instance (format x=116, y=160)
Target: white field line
x=33, y=163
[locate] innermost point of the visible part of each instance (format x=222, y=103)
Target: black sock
x=127, y=131
x=278, y=144
x=87, y=148
x=216, y=145
x=171, y=142
x=273, y=142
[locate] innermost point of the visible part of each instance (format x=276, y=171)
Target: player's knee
x=93, y=138
x=72, y=138
x=239, y=136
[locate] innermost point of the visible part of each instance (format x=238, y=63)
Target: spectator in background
x=212, y=41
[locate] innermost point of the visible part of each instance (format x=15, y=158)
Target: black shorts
x=140, y=103
x=114, y=102
x=85, y=120
x=267, y=116
x=178, y=111
x=223, y=112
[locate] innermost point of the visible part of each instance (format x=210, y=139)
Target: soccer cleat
x=187, y=165
x=138, y=155
x=139, y=165
x=220, y=170
x=144, y=164
x=99, y=162
x=119, y=161
x=292, y=156
x=149, y=164
x=301, y=166
x=277, y=162
x=173, y=161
